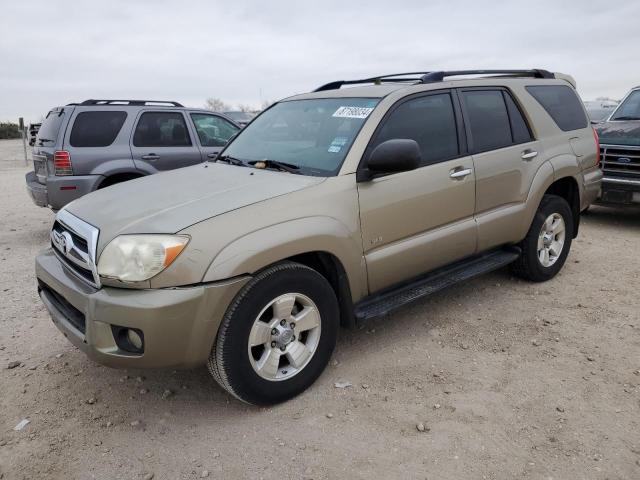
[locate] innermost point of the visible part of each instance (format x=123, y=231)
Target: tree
x=216, y=105
x=9, y=130
x=245, y=108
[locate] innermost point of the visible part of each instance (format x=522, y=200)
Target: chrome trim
x=624, y=181
x=65, y=249
x=627, y=147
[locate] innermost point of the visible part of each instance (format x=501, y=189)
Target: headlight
x=134, y=258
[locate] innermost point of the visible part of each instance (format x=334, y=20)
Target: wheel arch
x=119, y=177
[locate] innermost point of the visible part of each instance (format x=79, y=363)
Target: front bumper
x=58, y=191
x=620, y=190
x=179, y=324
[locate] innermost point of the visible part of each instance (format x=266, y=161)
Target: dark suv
x=620, y=152
x=83, y=147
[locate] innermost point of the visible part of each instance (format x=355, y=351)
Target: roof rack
x=432, y=77
x=129, y=102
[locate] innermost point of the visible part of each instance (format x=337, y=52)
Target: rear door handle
x=529, y=155
x=151, y=156
x=460, y=173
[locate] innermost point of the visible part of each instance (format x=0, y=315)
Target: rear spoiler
x=566, y=78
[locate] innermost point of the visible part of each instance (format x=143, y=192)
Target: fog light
x=128, y=339
x=134, y=338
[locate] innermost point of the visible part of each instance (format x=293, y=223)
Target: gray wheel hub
x=551, y=240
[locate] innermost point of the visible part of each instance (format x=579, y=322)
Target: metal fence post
x=23, y=134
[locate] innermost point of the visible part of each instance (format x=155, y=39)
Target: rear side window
x=96, y=129
x=562, y=104
x=519, y=128
x=48, y=133
x=488, y=119
x=430, y=121
x=161, y=129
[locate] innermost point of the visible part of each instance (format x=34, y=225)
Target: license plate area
x=40, y=167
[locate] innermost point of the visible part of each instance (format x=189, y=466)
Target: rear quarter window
x=96, y=129
x=562, y=104
x=50, y=127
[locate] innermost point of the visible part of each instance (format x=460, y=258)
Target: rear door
x=48, y=140
x=506, y=158
x=413, y=222
x=162, y=140
x=213, y=132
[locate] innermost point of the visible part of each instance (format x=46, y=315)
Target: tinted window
x=428, y=120
x=488, y=119
x=96, y=129
x=48, y=133
x=562, y=103
x=519, y=129
x=630, y=108
x=212, y=130
x=161, y=129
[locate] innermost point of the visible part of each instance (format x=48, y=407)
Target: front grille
x=74, y=243
x=71, y=313
x=620, y=161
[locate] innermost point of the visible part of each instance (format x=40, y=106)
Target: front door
x=413, y=222
x=162, y=141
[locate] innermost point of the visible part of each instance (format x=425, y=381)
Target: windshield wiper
x=284, y=166
x=42, y=140
x=231, y=160
x=626, y=118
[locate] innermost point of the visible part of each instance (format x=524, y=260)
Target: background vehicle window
x=50, y=127
x=161, y=129
x=488, y=119
x=430, y=121
x=562, y=104
x=630, y=108
x=519, y=128
x=213, y=131
x=96, y=129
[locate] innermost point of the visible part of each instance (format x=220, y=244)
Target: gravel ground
x=506, y=380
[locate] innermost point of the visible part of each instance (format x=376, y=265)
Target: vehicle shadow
x=627, y=216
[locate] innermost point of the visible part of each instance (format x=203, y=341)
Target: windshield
x=630, y=108
x=313, y=135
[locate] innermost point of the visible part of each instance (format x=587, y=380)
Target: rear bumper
x=179, y=325
x=58, y=191
x=36, y=190
x=592, y=181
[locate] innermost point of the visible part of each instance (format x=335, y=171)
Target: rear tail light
x=62, y=163
x=597, y=139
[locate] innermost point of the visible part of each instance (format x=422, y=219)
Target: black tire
x=229, y=361
x=528, y=265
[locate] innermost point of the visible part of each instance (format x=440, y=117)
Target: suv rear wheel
x=277, y=336
x=547, y=244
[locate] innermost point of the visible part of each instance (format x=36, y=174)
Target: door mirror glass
x=392, y=156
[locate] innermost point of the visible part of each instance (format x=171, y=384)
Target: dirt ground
x=511, y=380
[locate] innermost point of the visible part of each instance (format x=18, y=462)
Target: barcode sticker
x=353, y=112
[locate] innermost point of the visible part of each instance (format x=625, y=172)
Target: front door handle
x=458, y=173
x=529, y=155
x=151, y=156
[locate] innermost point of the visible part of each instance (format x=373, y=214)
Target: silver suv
x=97, y=143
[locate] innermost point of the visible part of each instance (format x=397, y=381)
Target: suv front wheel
x=547, y=244
x=277, y=336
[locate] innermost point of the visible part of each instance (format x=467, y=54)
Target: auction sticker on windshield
x=353, y=112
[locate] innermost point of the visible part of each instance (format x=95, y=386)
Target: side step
x=388, y=300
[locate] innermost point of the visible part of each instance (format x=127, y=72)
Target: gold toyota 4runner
x=329, y=208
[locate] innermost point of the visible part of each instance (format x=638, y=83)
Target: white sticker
x=353, y=112
x=337, y=144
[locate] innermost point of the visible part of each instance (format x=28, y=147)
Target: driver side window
x=213, y=131
x=429, y=120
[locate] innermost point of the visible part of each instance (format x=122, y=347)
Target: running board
x=388, y=300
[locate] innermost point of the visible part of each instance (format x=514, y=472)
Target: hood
x=619, y=132
x=172, y=201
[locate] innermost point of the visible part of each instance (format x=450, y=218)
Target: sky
x=54, y=52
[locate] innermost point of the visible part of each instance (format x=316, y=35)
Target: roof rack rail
x=409, y=77
x=129, y=102
x=433, y=77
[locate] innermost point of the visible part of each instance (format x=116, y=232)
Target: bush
x=9, y=130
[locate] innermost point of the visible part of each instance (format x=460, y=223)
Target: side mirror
x=392, y=156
